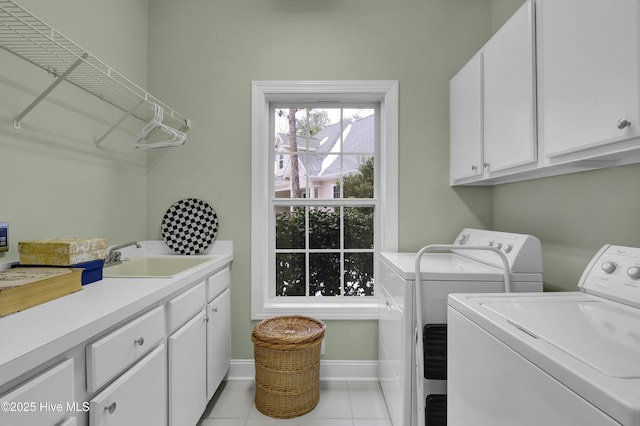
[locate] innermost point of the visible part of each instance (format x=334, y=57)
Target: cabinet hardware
x=485, y=165
x=474, y=167
x=623, y=123
x=139, y=341
x=110, y=408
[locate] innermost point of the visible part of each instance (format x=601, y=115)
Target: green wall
x=203, y=56
x=573, y=215
x=53, y=183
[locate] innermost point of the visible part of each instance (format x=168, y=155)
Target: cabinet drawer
x=138, y=397
x=217, y=283
x=113, y=353
x=53, y=388
x=186, y=306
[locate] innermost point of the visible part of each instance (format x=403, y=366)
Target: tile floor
x=341, y=404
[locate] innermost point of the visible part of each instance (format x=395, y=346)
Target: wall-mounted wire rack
x=33, y=40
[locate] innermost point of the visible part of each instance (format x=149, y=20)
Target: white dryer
x=568, y=358
x=457, y=270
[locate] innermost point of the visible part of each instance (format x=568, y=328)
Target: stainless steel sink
x=154, y=266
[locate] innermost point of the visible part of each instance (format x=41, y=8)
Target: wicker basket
x=287, y=359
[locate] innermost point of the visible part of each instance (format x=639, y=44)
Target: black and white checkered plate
x=190, y=226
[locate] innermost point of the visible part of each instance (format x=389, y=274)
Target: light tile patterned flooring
x=350, y=403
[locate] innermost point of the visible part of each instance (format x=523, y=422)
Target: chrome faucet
x=114, y=256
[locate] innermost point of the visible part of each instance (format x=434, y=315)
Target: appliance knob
x=490, y=243
x=463, y=238
x=634, y=272
x=498, y=246
x=623, y=123
x=507, y=248
x=609, y=267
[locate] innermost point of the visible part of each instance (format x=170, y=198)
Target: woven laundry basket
x=287, y=359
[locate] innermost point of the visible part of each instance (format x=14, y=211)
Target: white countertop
x=35, y=335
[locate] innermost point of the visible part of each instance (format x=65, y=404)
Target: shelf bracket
x=60, y=79
x=115, y=126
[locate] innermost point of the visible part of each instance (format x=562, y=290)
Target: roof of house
x=358, y=138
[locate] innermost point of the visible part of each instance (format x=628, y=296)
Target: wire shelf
x=28, y=37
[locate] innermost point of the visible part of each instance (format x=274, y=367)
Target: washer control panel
x=614, y=273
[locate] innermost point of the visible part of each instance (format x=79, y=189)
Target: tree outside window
x=324, y=202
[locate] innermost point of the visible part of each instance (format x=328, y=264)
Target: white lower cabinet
x=138, y=397
x=218, y=340
x=112, y=354
x=187, y=372
x=42, y=401
x=158, y=368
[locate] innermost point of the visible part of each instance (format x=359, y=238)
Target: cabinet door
x=509, y=100
x=588, y=53
x=138, y=397
x=188, y=372
x=465, y=120
x=218, y=341
x=42, y=401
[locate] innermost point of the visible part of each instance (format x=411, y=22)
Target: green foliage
x=360, y=185
x=312, y=122
x=324, y=233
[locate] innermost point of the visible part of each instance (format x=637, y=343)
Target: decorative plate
x=190, y=226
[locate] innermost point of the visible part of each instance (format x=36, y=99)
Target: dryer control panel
x=523, y=251
x=614, y=273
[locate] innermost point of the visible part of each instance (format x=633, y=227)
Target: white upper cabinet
x=588, y=76
x=465, y=119
x=560, y=94
x=492, y=105
x=509, y=94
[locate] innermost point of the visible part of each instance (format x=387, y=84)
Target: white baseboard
x=330, y=370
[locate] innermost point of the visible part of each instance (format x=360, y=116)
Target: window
x=324, y=248
x=316, y=218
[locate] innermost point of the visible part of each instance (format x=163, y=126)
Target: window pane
x=324, y=274
x=290, y=227
x=358, y=227
x=358, y=274
x=324, y=228
x=359, y=176
x=290, y=274
x=321, y=155
x=359, y=134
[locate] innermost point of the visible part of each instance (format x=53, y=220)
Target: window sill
x=368, y=310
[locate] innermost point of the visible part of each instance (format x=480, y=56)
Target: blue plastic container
x=91, y=271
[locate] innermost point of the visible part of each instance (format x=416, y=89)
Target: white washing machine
x=463, y=268
x=569, y=358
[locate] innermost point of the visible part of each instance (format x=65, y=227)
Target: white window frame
x=264, y=93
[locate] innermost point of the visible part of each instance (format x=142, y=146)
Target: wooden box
x=62, y=252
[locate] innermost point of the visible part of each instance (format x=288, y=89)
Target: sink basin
x=154, y=266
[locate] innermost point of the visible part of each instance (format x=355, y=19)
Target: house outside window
x=325, y=249
x=317, y=219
